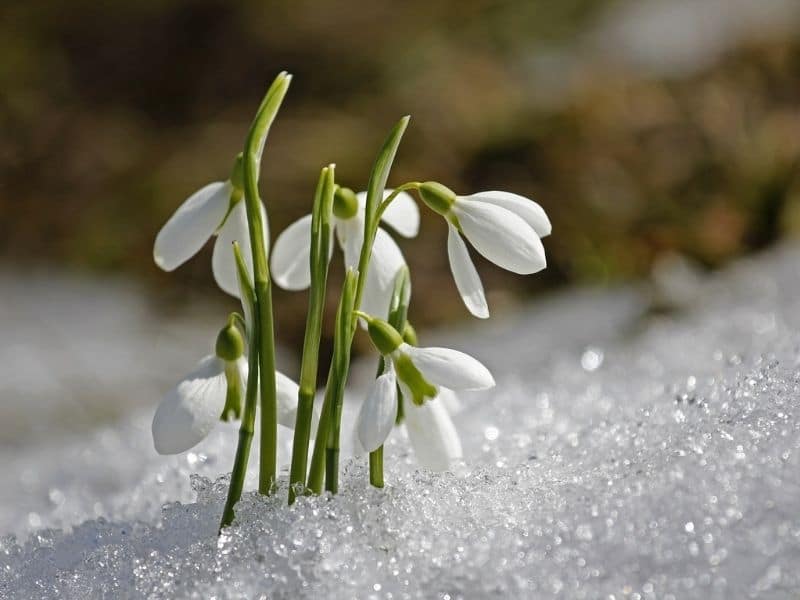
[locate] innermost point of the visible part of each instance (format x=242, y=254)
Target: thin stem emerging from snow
x=398, y=311
x=250, y=399
x=375, y=189
x=264, y=322
x=320, y=242
x=326, y=444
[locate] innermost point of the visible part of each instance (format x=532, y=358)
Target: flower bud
x=384, y=336
x=345, y=203
x=237, y=174
x=230, y=344
x=437, y=196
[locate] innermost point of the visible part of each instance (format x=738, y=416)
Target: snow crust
x=623, y=455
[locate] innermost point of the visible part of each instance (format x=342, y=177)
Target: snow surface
x=623, y=455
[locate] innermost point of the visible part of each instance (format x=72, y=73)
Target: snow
x=624, y=454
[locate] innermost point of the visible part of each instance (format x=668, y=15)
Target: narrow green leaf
x=382, y=166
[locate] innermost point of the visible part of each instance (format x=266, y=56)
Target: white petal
x=291, y=254
x=432, y=435
x=191, y=225
x=466, y=276
x=450, y=368
x=501, y=236
x=287, y=400
x=378, y=412
x=191, y=409
x=402, y=214
x=530, y=211
x=386, y=261
x=350, y=233
x=450, y=400
x=234, y=230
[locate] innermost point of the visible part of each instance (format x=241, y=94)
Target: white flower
x=378, y=412
x=290, y=254
x=189, y=411
x=505, y=228
x=217, y=208
x=431, y=432
x=430, y=429
x=417, y=371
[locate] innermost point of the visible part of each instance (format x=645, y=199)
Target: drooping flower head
x=418, y=372
x=290, y=254
x=505, y=228
x=216, y=209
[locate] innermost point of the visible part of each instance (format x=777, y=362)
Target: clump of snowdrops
x=414, y=384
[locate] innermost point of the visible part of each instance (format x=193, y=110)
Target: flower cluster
x=415, y=386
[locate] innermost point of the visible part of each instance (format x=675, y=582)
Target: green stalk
x=376, y=468
x=251, y=395
x=377, y=184
x=322, y=457
x=264, y=323
x=327, y=442
x=320, y=242
x=398, y=310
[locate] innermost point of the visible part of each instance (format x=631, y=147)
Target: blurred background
x=645, y=128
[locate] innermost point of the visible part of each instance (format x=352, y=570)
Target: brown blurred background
x=642, y=127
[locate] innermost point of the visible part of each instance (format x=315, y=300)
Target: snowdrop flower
x=216, y=209
x=210, y=393
x=417, y=371
x=431, y=432
x=504, y=227
x=290, y=254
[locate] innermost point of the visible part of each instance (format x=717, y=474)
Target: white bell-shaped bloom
x=503, y=227
x=432, y=434
x=189, y=411
x=209, y=211
x=290, y=255
x=378, y=412
x=449, y=368
x=431, y=431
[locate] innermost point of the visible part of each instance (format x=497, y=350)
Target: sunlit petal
x=350, y=233
x=402, y=214
x=527, y=209
x=450, y=368
x=466, y=276
x=432, y=435
x=191, y=409
x=291, y=255
x=234, y=229
x=501, y=236
x=387, y=260
x=378, y=412
x=191, y=225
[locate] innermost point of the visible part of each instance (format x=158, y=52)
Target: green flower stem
x=377, y=184
x=330, y=420
x=376, y=468
x=251, y=398
x=320, y=242
x=344, y=323
x=264, y=323
x=411, y=185
x=398, y=311
x=337, y=377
